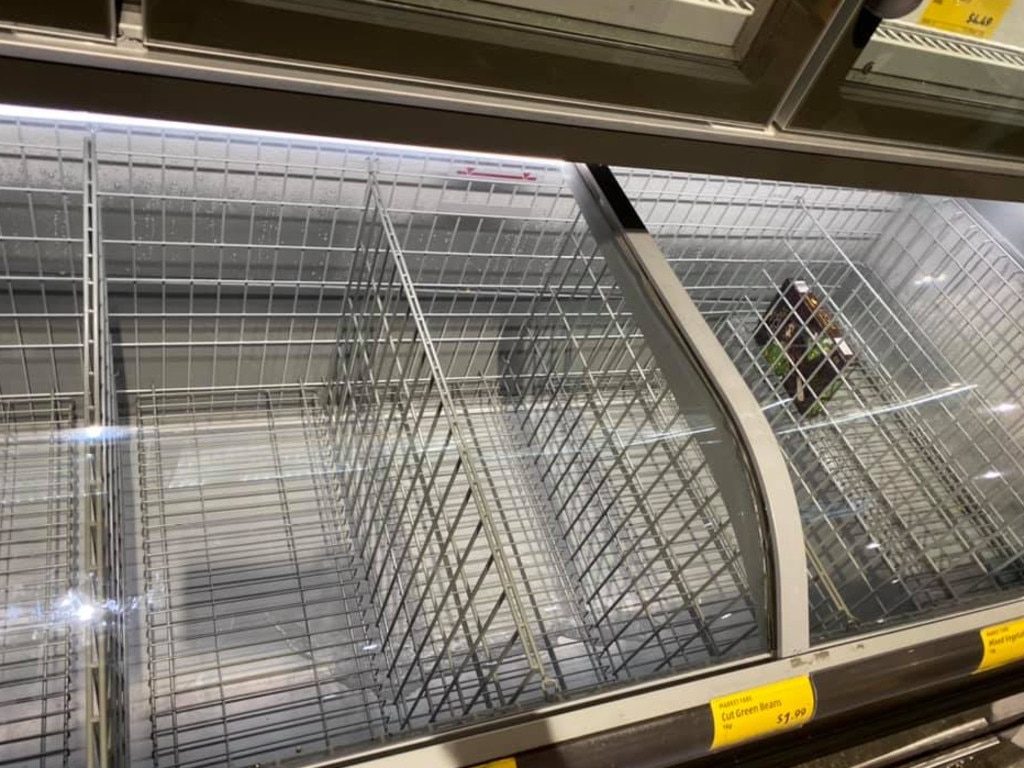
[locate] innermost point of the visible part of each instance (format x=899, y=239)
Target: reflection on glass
x=908, y=461
x=969, y=50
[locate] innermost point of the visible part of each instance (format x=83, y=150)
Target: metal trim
x=928, y=116
x=603, y=203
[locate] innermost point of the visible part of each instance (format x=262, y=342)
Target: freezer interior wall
x=909, y=480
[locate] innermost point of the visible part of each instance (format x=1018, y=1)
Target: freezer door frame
x=824, y=100
x=47, y=72
x=431, y=43
x=683, y=343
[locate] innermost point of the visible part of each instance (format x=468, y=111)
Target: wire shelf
x=909, y=480
x=39, y=723
x=504, y=420
x=390, y=453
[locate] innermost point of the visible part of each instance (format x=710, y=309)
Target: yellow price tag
x=978, y=18
x=505, y=762
x=1003, y=643
x=760, y=711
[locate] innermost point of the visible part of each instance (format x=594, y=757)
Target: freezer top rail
x=396, y=441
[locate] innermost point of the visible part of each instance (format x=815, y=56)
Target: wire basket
x=402, y=457
x=908, y=479
x=39, y=673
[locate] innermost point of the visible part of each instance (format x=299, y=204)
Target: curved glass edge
x=880, y=334
x=771, y=529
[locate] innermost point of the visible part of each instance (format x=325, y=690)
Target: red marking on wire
x=476, y=173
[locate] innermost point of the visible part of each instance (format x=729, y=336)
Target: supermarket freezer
x=320, y=450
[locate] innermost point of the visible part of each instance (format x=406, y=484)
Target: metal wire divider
x=38, y=549
x=102, y=542
x=41, y=347
x=497, y=405
x=898, y=524
x=449, y=615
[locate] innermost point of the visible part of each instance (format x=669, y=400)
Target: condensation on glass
x=910, y=478
x=383, y=450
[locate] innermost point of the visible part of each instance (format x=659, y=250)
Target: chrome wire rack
x=39, y=673
x=253, y=643
x=910, y=480
x=308, y=446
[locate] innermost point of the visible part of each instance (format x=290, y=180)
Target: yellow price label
x=763, y=710
x=1003, y=644
x=505, y=762
x=977, y=18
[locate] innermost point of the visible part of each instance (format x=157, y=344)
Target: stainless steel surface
x=909, y=482
x=679, y=335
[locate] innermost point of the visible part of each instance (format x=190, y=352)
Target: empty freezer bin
x=351, y=442
x=909, y=481
x=320, y=447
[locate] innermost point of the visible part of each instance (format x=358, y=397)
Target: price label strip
x=977, y=18
x=505, y=762
x=1002, y=644
x=763, y=710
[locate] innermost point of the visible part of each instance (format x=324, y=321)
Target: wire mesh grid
x=323, y=565
x=41, y=349
x=908, y=478
x=255, y=645
x=523, y=475
x=39, y=553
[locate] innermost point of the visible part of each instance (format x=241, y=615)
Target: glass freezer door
x=723, y=59
x=946, y=73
